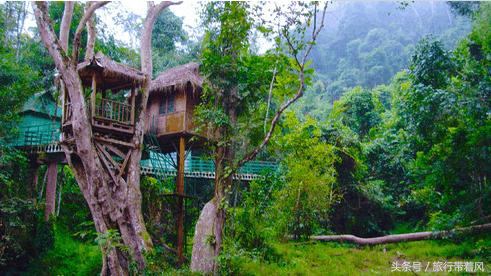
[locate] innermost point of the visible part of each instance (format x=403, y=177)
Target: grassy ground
x=71, y=257
x=67, y=257
x=335, y=259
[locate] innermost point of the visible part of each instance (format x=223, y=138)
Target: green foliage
x=366, y=44
x=75, y=213
x=171, y=45
x=304, y=204
x=45, y=235
x=17, y=227
x=18, y=215
x=250, y=227
x=357, y=110
x=17, y=85
x=67, y=257
x=431, y=64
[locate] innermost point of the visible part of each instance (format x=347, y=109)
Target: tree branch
x=417, y=236
x=48, y=36
x=301, y=76
x=66, y=21
x=146, y=40
x=81, y=25
x=91, y=35
x=315, y=34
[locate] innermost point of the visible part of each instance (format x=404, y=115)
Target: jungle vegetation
x=392, y=135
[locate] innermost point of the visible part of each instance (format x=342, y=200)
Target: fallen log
x=417, y=236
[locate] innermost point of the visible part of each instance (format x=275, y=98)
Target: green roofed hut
x=40, y=120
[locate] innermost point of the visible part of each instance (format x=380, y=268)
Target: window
x=167, y=105
x=162, y=107
x=170, y=104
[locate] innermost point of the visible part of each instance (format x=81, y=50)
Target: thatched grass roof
x=110, y=74
x=178, y=78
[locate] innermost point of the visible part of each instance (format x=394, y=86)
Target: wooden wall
x=168, y=123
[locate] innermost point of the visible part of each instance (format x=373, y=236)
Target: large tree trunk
x=114, y=200
x=206, y=248
x=52, y=173
x=208, y=236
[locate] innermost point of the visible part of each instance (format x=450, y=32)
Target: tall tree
x=238, y=84
x=115, y=207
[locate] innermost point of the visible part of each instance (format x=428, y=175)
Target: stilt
x=33, y=179
x=51, y=190
x=180, y=204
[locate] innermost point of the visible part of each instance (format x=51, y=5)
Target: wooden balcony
x=109, y=116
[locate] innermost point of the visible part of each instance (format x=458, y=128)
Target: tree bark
x=114, y=201
x=51, y=190
x=203, y=256
x=417, y=236
x=91, y=34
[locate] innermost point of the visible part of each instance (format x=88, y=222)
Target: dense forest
x=392, y=135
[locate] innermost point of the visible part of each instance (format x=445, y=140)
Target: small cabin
x=174, y=95
x=112, y=88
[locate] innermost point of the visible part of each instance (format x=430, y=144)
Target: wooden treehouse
x=111, y=95
x=173, y=97
x=112, y=89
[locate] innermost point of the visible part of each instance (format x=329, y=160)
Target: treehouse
x=174, y=95
x=112, y=96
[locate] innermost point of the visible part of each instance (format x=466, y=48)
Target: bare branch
x=81, y=25
x=146, y=40
x=48, y=35
x=315, y=34
x=270, y=94
x=66, y=21
x=91, y=35
x=301, y=76
x=249, y=156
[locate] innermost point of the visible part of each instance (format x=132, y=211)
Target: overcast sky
x=188, y=11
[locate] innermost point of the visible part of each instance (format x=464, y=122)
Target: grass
x=72, y=257
x=336, y=259
x=67, y=257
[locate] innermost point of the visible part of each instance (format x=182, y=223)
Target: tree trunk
x=203, y=256
x=114, y=200
x=208, y=252
x=209, y=228
x=418, y=236
x=51, y=190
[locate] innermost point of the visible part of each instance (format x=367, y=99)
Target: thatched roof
x=110, y=74
x=178, y=78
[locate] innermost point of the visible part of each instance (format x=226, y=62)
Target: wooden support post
x=51, y=190
x=92, y=97
x=132, y=115
x=63, y=101
x=180, y=206
x=33, y=178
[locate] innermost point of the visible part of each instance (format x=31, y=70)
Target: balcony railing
x=67, y=116
x=114, y=111
x=37, y=135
